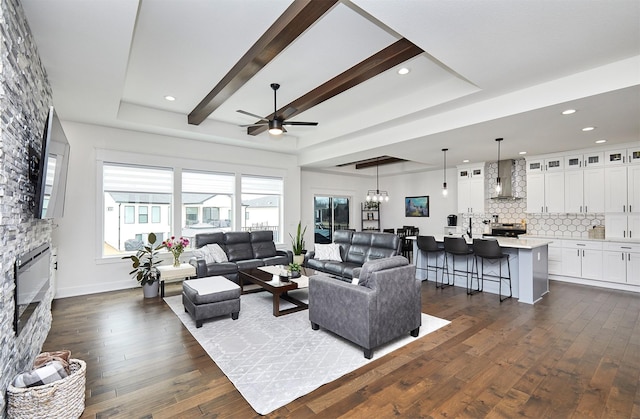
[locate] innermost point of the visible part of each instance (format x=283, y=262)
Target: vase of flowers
x=176, y=247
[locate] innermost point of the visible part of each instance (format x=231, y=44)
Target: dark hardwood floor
x=574, y=355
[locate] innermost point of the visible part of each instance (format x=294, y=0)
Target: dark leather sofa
x=244, y=250
x=356, y=248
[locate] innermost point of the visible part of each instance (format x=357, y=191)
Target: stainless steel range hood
x=505, y=172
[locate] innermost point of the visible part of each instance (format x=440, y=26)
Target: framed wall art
x=416, y=206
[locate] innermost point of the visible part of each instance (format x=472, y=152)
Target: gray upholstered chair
x=383, y=306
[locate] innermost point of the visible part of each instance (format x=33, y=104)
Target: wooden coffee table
x=278, y=288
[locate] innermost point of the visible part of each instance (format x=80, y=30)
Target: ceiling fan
x=276, y=125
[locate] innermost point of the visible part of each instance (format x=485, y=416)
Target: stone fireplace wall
x=25, y=95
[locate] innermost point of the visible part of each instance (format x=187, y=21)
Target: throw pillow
x=329, y=251
x=355, y=280
x=45, y=374
x=204, y=253
x=218, y=254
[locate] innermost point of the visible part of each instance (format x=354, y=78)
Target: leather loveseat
x=242, y=250
x=384, y=305
x=356, y=248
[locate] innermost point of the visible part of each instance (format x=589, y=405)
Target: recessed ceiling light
x=522, y=153
x=568, y=111
x=601, y=141
x=588, y=128
x=465, y=161
x=170, y=98
x=403, y=71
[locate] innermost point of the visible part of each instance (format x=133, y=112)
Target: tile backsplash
x=556, y=225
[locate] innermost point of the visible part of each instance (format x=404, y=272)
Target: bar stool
x=455, y=246
x=428, y=245
x=490, y=250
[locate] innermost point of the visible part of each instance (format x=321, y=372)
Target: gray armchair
x=383, y=306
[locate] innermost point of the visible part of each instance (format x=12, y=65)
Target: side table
x=170, y=273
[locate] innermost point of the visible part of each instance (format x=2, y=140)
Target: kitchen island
x=529, y=267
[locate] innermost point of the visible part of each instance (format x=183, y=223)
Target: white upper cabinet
x=471, y=197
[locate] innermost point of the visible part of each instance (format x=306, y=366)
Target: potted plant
x=297, y=244
x=144, y=264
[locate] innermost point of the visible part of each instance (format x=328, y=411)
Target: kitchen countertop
x=617, y=240
x=507, y=242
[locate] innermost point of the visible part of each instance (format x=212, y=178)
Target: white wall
x=78, y=234
x=419, y=184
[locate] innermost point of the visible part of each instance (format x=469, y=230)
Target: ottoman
x=212, y=296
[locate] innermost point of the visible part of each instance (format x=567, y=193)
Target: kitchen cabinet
x=584, y=191
x=370, y=212
x=622, y=226
x=582, y=259
x=622, y=156
x=555, y=257
x=583, y=161
x=622, y=201
x=471, y=191
x=623, y=262
x=615, y=183
x=545, y=192
x=545, y=185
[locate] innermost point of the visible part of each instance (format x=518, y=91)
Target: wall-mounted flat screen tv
x=48, y=169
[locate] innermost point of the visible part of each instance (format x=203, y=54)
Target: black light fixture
x=275, y=127
x=444, y=171
x=498, y=182
x=377, y=195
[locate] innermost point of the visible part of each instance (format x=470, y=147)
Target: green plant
x=297, y=242
x=294, y=267
x=144, y=261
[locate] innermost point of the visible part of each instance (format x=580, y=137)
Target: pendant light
x=498, y=182
x=377, y=195
x=444, y=172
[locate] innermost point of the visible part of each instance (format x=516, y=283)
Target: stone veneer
x=25, y=95
x=556, y=225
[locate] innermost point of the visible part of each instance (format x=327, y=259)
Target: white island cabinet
x=529, y=259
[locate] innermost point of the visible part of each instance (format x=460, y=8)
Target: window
x=155, y=214
x=261, y=204
x=143, y=214
x=191, y=216
x=210, y=214
x=331, y=214
x=126, y=187
x=210, y=195
x=129, y=214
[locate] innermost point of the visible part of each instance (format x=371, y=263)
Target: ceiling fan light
x=275, y=127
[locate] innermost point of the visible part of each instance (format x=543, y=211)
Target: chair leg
x=509, y=278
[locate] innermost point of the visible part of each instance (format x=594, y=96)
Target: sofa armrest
x=200, y=265
x=342, y=308
x=287, y=253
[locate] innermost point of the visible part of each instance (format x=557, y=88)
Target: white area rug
x=274, y=360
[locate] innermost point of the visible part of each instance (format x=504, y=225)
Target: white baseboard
x=595, y=283
x=93, y=289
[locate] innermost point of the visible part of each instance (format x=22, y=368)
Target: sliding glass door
x=331, y=214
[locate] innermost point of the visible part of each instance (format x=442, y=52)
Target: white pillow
x=355, y=280
x=205, y=254
x=218, y=254
x=329, y=251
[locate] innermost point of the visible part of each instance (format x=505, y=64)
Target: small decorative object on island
x=144, y=266
x=297, y=244
x=176, y=247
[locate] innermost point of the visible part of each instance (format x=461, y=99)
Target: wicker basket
x=61, y=399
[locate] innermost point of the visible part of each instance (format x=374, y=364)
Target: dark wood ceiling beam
x=380, y=161
x=396, y=53
x=294, y=21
